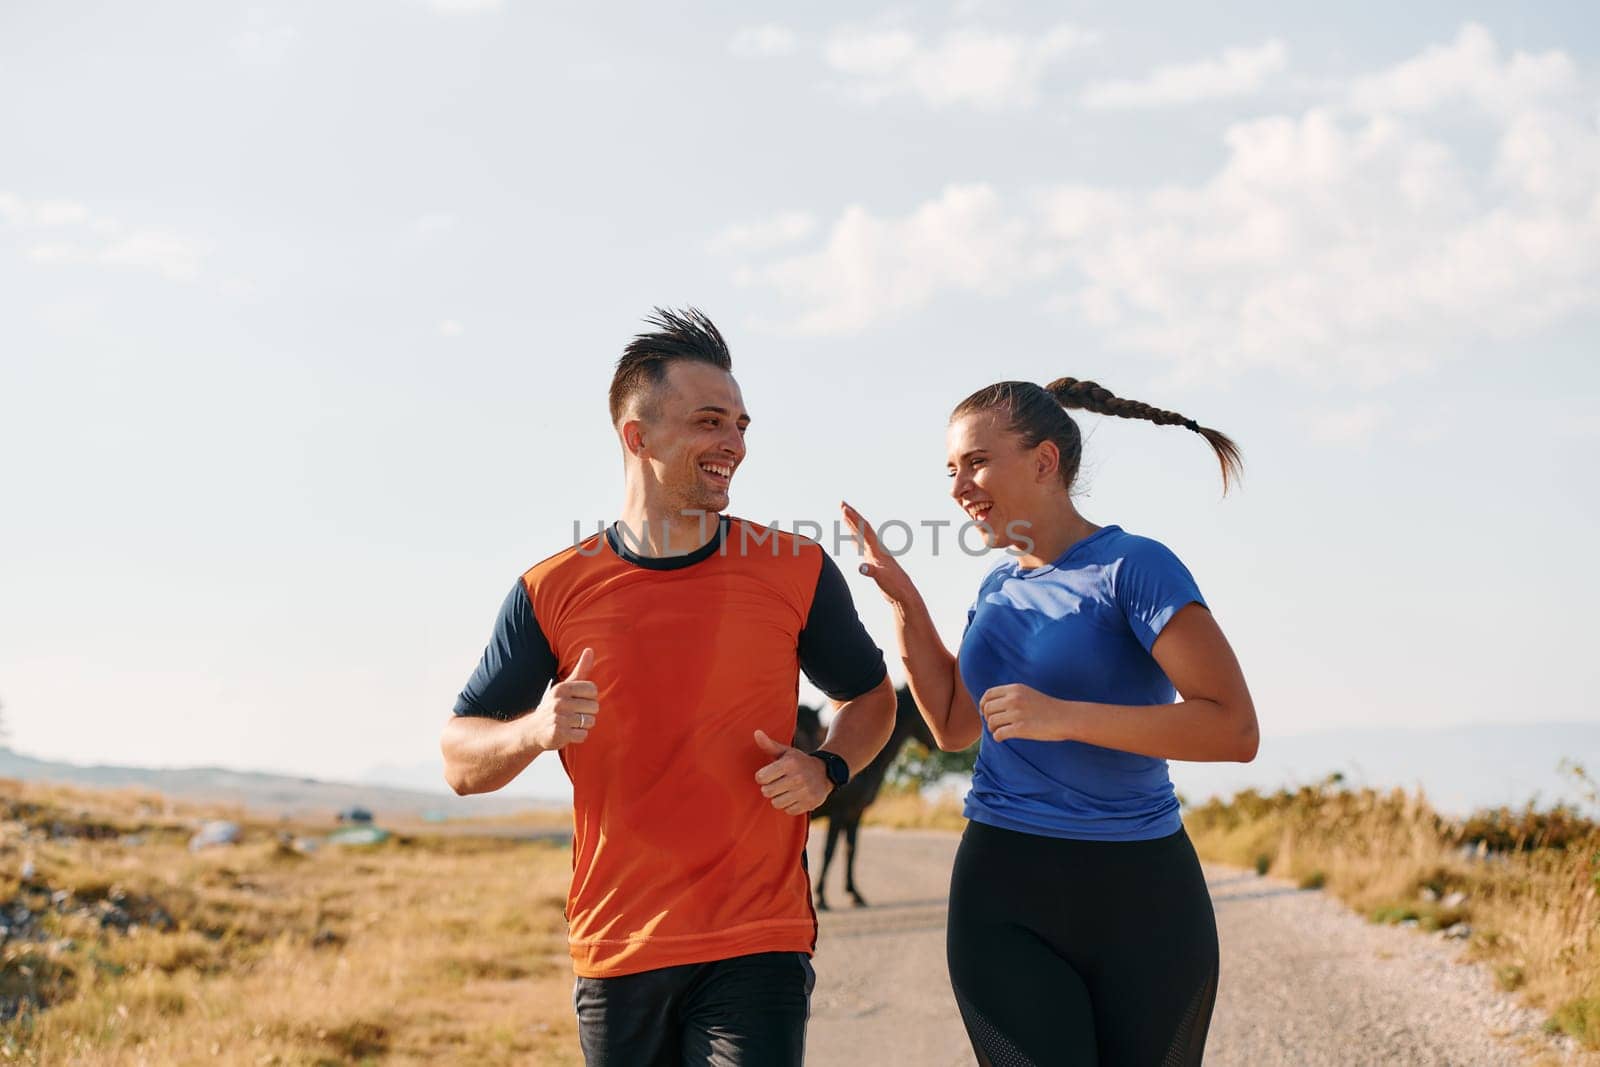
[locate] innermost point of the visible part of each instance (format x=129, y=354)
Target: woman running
x=1080, y=928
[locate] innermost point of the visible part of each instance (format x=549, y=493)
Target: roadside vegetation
x=1519, y=887
x=445, y=943
x=123, y=947
x=911, y=798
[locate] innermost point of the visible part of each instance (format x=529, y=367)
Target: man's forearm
x=482, y=755
x=861, y=727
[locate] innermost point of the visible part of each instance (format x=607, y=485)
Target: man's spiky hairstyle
x=678, y=335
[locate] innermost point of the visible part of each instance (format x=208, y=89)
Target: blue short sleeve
x=996, y=573
x=1151, y=585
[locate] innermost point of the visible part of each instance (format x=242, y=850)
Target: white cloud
x=780, y=230
x=871, y=268
x=161, y=251
x=66, y=232
x=757, y=41
x=1467, y=69
x=433, y=224
x=1353, y=425
x=451, y=328
x=1237, y=72
x=1359, y=244
x=1581, y=427
x=1336, y=243
x=870, y=53
x=1430, y=432
x=966, y=66
x=57, y=252
x=464, y=7
x=263, y=41
x=59, y=213
x=171, y=255
x=14, y=211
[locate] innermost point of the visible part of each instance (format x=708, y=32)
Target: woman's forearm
x=1199, y=730
x=932, y=676
x=930, y=668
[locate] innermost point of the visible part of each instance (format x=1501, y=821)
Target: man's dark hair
x=679, y=335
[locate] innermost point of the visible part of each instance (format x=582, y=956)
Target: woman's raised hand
x=880, y=566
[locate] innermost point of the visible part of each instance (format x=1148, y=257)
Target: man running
x=678, y=635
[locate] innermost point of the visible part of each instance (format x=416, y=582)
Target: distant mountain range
x=1460, y=768
x=269, y=793
x=545, y=780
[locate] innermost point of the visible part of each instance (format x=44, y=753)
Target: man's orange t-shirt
x=677, y=857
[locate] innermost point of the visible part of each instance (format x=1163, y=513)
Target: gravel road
x=1304, y=982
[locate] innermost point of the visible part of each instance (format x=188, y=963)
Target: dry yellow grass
x=1533, y=908
x=420, y=950
x=907, y=809
x=447, y=948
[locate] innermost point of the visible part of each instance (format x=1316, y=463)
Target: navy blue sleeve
x=836, y=652
x=516, y=667
x=1151, y=584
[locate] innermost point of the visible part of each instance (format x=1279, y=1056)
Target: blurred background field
x=1519, y=886
x=443, y=941
x=124, y=946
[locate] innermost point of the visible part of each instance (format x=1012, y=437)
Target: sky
x=308, y=311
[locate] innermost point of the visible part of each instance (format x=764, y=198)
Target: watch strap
x=838, y=769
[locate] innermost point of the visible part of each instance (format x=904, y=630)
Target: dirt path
x=1304, y=981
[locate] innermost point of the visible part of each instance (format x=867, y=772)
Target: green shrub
x=1524, y=830
x=1580, y=1018
x=1394, y=913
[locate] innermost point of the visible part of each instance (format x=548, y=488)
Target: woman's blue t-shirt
x=1079, y=628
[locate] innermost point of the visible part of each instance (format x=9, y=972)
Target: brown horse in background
x=845, y=805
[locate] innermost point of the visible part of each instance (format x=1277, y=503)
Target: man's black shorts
x=739, y=1012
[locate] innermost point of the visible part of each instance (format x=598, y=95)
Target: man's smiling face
x=694, y=436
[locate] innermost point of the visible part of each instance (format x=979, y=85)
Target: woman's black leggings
x=1081, y=952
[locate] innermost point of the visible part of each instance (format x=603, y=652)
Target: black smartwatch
x=838, y=770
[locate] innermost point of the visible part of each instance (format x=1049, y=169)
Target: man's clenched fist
x=794, y=781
